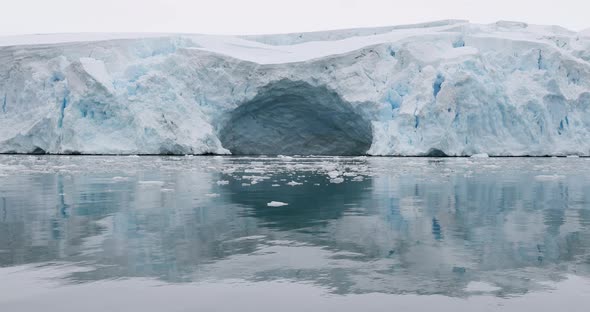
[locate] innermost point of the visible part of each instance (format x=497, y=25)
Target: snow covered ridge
x=442, y=88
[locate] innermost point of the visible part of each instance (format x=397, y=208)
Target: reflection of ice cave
x=294, y=117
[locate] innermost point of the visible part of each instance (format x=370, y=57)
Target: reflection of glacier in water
x=355, y=225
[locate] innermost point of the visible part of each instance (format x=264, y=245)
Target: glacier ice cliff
x=442, y=88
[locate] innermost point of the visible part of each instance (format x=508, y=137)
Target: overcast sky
x=271, y=16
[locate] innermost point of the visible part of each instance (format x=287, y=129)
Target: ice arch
x=295, y=118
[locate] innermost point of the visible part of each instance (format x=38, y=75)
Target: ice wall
x=443, y=88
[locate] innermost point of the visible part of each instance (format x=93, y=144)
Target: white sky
x=271, y=16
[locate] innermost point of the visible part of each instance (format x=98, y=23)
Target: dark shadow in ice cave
x=295, y=118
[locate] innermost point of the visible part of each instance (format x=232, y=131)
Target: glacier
x=442, y=88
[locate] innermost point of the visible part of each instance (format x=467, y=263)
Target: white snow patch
x=98, y=71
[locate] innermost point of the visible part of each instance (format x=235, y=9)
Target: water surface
x=196, y=233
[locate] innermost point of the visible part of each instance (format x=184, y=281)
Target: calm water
x=370, y=234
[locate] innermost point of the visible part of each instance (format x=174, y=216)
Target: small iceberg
x=276, y=204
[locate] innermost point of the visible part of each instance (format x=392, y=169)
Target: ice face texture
x=443, y=88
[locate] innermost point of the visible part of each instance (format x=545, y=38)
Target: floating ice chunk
x=549, y=177
x=276, y=204
x=167, y=190
x=246, y=184
x=255, y=170
x=337, y=180
x=275, y=185
x=482, y=155
x=120, y=179
x=573, y=156
x=287, y=158
x=329, y=167
x=333, y=174
x=151, y=183
x=212, y=195
x=293, y=183
x=255, y=179
x=229, y=170
x=481, y=287
x=246, y=238
x=223, y=182
x=358, y=179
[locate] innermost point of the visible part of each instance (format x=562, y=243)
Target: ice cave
x=296, y=118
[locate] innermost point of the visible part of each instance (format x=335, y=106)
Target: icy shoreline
x=447, y=88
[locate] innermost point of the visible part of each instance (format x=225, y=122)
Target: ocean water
x=97, y=233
